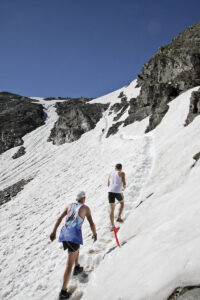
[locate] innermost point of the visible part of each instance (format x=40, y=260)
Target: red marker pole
x=116, y=229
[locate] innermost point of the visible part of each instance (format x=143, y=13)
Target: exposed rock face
x=75, y=118
x=119, y=109
x=186, y=293
x=194, y=107
x=113, y=129
x=196, y=157
x=18, y=116
x=10, y=192
x=174, y=69
x=19, y=153
x=121, y=95
x=122, y=111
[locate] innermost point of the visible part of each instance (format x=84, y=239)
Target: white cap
x=80, y=196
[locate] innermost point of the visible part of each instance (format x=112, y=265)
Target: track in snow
x=107, y=244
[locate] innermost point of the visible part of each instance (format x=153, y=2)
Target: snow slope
x=161, y=234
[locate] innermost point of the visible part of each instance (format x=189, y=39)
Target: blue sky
x=83, y=47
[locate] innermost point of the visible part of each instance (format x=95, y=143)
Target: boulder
x=19, y=153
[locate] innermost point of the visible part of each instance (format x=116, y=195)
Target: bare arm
x=53, y=234
x=109, y=180
x=92, y=226
x=123, y=180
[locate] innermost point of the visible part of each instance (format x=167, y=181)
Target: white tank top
x=115, y=183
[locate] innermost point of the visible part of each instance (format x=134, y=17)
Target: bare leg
x=70, y=262
x=76, y=260
x=120, y=209
x=112, y=208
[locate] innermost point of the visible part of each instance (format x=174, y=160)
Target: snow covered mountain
x=160, y=237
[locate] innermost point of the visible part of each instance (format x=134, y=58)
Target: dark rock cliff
x=171, y=71
x=18, y=116
x=75, y=118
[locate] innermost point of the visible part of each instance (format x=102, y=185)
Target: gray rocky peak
x=172, y=70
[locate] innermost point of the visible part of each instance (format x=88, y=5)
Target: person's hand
x=52, y=236
x=94, y=237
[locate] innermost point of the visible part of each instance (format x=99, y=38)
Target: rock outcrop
x=19, y=153
x=75, y=118
x=11, y=191
x=121, y=107
x=114, y=128
x=18, y=116
x=196, y=157
x=171, y=71
x=186, y=293
x=194, y=107
x=118, y=109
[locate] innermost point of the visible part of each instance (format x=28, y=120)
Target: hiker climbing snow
x=116, y=181
x=71, y=237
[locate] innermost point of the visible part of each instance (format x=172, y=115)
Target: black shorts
x=112, y=196
x=72, y=247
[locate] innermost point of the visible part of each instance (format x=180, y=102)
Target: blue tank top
x=71, y=231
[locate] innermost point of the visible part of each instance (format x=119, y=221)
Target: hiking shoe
x=64, y=295
x=120, y=220
x=77, y=270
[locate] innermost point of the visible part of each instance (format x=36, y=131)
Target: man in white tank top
x=116, y=182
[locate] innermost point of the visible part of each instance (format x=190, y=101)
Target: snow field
x=160, y=237
x=31, y=264
x=162, y=233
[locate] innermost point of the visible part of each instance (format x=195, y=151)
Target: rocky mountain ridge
x=164, y=224
x=171, y=71
x=174, y=69
x=19, y=115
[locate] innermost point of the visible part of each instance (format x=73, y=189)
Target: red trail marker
x=116, y=229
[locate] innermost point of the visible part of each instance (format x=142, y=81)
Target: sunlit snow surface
x=162, y=234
